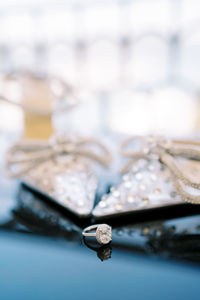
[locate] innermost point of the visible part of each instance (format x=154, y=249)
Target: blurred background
x=134, y=64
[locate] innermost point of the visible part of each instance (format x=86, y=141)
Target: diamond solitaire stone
x=104, y=234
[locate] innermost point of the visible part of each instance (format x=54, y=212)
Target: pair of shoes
x=158, y=173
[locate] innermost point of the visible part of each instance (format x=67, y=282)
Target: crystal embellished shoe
x=60, y=169
x=159, y=173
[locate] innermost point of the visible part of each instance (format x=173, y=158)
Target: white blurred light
x=149, y=63
x=11, y=118
x=103, y=65
x=61, y=62
x=102, y=20
x=167, y=111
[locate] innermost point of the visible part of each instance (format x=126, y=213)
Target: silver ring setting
x=102, y=232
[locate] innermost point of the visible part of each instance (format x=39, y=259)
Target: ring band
x=102, y=232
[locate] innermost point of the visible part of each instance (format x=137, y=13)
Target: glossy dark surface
x=43, y=255
x=171, y=234
x=35, y=268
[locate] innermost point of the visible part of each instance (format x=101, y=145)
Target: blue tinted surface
x=32, y=268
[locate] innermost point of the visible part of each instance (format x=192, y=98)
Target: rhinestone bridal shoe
x=159, y=173
x=61, y=168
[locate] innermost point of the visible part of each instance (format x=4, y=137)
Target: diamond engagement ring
x=102, y=232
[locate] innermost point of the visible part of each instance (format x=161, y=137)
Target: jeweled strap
x=28, y=154
x=166, y=151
